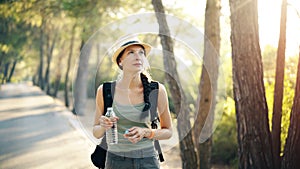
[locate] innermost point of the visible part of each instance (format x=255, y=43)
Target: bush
x=225, y=146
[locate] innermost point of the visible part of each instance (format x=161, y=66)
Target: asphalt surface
x=37, y=131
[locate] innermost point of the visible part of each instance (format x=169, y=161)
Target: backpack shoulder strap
x=108, y=93
x=99, y=155
x=154, y=117
x=153, y=100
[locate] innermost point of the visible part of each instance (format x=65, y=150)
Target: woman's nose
x=137, y=56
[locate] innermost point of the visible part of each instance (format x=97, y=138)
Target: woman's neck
x=130, y=81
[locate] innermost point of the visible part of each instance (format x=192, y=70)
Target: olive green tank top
x=129, y=116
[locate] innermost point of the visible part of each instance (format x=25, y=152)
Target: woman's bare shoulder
x=161, y=86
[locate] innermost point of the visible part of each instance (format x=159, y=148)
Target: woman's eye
x=142, y=53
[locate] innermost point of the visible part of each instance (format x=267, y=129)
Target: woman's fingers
x=135, y=134
x=107, y=122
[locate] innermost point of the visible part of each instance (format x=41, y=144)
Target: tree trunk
x=48, y=62
x=49, y=55
x=188, y=152
x=58, y=72
x=12, y=70
x=41, y=65
x=1, y=60
x=278, y=90
x=69, y=66
x=34, y=79
x=291, y=156
x=1, y=68
x=208, y=84
x=5, y=72
x=80, y=90
x=56, y=84
x=254, y=137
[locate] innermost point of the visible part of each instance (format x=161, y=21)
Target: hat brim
x=146, y=46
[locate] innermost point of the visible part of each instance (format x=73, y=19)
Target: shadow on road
x=36, y=132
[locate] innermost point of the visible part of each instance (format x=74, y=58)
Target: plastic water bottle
x=112, y=133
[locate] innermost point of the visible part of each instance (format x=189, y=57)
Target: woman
x=135, y=148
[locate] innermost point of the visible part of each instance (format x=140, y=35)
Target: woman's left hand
x=135, y=134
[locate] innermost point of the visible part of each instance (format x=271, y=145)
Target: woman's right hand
x=107, y=122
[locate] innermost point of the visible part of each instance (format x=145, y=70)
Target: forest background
x=43, y=42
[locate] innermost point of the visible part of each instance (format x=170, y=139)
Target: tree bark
x=1, y=60
x=208, y=83
x=291, y=156
x=254, y=137
x=56, y=84
x=58, y=72
x=188, y=152
x=278, y=90
x=50, y=47
x=67, y=104
x=5, y=72
x=80, y=90
x=41, y=65
x=48, y=62
x=1, y=68
x=12, y=70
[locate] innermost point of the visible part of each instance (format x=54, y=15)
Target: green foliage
x=21, y=24
x=224, y=150
x=269, y=55
x=12, y=38
x=288, y=99
x=269, y=64
x=286, y=106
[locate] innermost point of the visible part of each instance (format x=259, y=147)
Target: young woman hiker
x=135, y=148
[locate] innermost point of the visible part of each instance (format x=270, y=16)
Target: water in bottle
x=112, y=133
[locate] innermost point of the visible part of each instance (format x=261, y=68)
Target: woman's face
x=133, y=58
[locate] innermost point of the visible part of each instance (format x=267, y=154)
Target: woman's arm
x=98, y=130
x=164, y=115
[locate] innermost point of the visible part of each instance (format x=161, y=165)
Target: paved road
x=37, y=132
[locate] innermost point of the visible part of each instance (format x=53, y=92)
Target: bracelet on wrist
x=151, y=134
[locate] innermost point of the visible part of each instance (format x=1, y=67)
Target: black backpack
x=98, y=157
